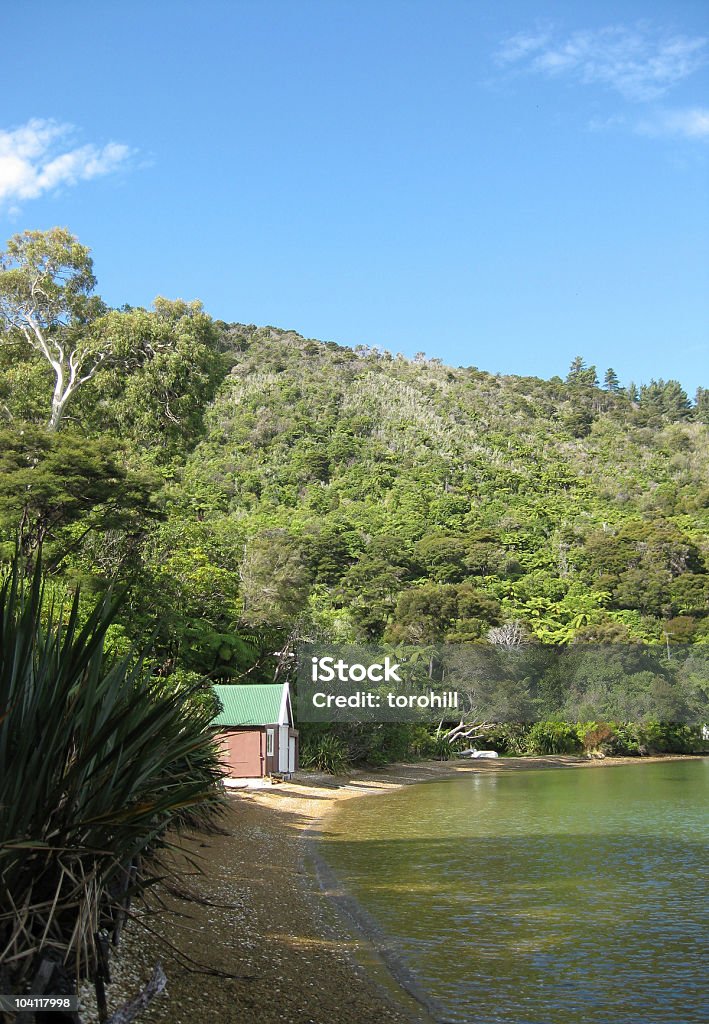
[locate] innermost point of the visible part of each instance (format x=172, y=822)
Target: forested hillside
x=245, y=482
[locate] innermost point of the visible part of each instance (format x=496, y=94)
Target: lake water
x=541, y=897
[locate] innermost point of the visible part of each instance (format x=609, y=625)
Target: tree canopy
x=46, y=285
x=245, y=482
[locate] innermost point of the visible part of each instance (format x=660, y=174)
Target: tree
x=169, y=367
x=50, y=480
x=274, y=579
x=374, y=581
x=581, y=375
x=328, y=547
x=443, y=557
x=664, y=399
x=610, y=381
x=690, y=593
x=436, y=611
x=702, y=405
x=511, y=635
x=578, y=421
x=46, y=281
x=424, y=614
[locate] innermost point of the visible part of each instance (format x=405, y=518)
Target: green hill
x=378, y=496
x=247, y=481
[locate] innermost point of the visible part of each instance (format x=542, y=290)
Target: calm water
x=542, y=897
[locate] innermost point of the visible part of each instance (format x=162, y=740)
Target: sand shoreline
x=273, y=913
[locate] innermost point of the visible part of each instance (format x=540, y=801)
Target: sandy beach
x=271, y=925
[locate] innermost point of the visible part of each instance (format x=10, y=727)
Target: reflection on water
x=542, y=897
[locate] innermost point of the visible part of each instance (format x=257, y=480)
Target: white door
x=283, y=757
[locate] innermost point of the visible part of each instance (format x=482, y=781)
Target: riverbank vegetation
x=335, y=749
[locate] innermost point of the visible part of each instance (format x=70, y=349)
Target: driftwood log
x=130, y=1010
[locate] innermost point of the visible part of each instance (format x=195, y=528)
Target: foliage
x=596, y=737
x=50, y=480
x=324, y=753
x=441, y=749
x=274, y=578
x=247, y=484
x=155, y=396
x=381, y=744
x=552, y=738
x=46, y=280
x=360, y=489
x=508, y=738
x=656, y=737
x=95, y=766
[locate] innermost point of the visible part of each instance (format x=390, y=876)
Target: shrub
x=391, y=741
x=95, y=766
x=624, y=742
x=552, y=738
x=422, y=742
x=508, y=738
x=615, y=739
x=325, y=753
x=441, y=749
x=669, y=738
x=595, y=736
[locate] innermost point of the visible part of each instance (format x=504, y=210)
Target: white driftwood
x=130, y=1010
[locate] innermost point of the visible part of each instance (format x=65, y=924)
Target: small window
x=269, y=742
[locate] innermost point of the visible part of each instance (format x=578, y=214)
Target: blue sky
x=503, y=185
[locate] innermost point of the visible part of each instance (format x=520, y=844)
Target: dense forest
x=243, y=480
x=248, y=485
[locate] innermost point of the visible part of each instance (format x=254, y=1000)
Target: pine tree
x=580, y=375
x=610, y=381
x=577, y=368
x=702, y=404
x=665, y=398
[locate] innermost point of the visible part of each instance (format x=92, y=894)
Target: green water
x=541, y=897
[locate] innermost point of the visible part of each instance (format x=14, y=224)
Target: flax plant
x=96, y=765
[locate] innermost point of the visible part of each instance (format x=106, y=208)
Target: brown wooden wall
x=244, y=752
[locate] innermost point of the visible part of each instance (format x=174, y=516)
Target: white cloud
x=692, y=123
x=34, y=159
x=638, y=63
x=521, y=45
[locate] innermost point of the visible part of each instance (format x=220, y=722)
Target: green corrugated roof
x=259, y=704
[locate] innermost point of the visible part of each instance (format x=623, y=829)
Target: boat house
x=255, y=730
